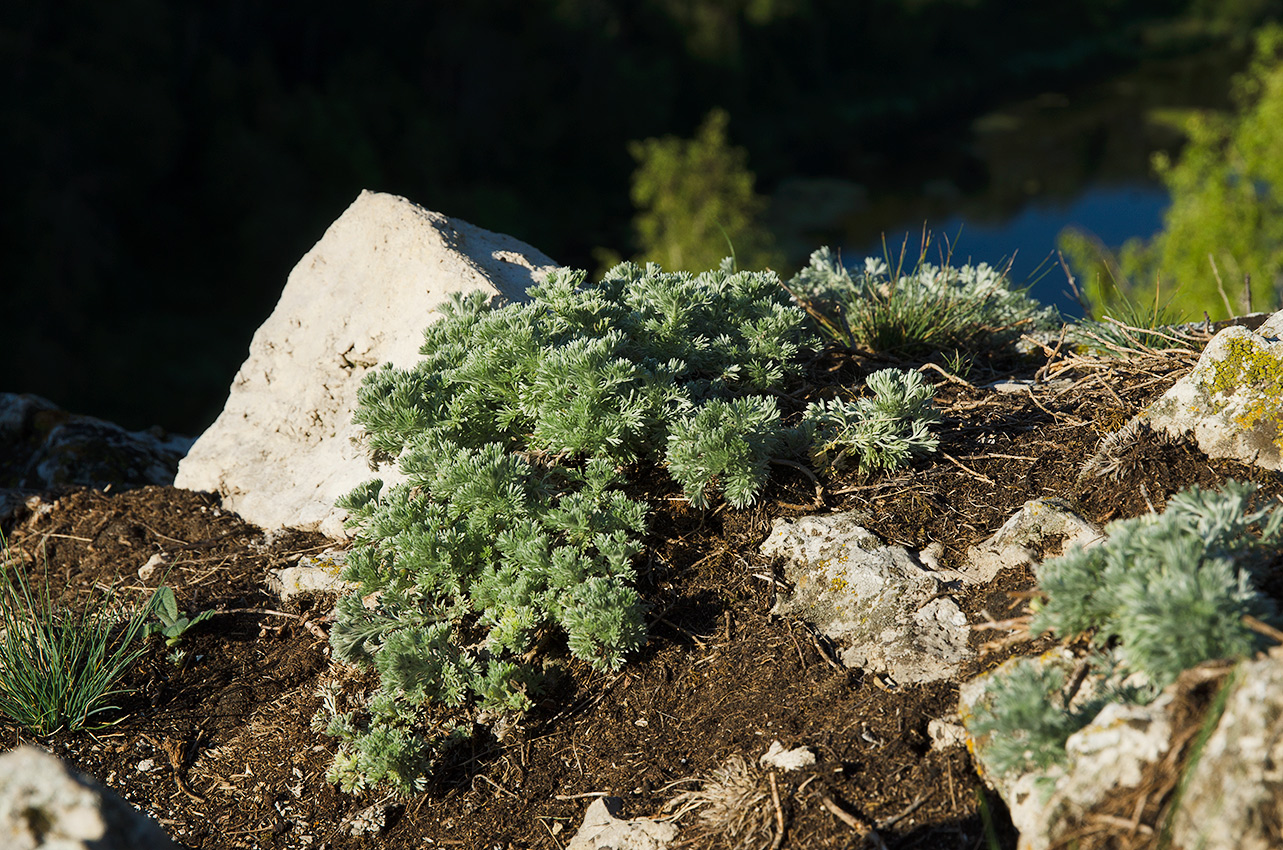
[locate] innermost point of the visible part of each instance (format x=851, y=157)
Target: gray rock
x=285, y=447
x=43, y=447
x=1041, y=524
x=45, y=805
x=314, y=574
x=884, y=610
x=1233, y=796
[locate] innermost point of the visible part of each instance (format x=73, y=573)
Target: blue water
x=1114, y=213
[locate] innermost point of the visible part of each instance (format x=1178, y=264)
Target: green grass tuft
x=58, y=669
x=923, y=311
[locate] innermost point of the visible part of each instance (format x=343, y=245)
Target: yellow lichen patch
x=1256, y=374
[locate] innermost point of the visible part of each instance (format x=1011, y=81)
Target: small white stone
x=945, y=734
x=794, y=759
x=147, y=570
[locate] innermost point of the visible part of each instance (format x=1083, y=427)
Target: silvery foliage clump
x=1171, y=588
x=512, y=532
x=1032, y=707
x=930, y=308
x=883, y=431
x=1161, y=594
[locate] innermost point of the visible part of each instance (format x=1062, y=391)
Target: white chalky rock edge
x=43, y=804
x=285, y=447
x=1235, y=791
x=1229, y=403
x=871, y=599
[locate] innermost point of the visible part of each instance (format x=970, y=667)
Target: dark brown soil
x=222, y=753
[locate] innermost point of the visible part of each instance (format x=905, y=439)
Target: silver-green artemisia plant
x=1161, y=594
x=511, y=533
x=511, y=529
x=883, y=431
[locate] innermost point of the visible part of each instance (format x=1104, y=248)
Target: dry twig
x=779, y=814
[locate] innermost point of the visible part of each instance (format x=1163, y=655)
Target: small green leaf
x=166, y=606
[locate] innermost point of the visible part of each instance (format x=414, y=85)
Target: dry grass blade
x=1113, y=357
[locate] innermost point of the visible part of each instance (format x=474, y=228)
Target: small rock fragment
x=147, y=570
x=945, y=734
x=368, y=821
x=794, y=759
x=313, y=574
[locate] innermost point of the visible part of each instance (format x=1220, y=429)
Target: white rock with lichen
x=1048, y=525
x=884, y=611
x=1233, y=797
x=313, y=574
x=1110, y=753
x=1232, y=402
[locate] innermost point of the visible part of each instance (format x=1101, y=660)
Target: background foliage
x=168, y=163
x=1225, y=225
x=696, y=202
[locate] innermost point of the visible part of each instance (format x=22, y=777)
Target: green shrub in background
x=1161, y=594
x=929, y=310
x=1225, y=222
x=695, y=201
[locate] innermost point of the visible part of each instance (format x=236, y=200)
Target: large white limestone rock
x=1232, y=403
x=885, y=612
x=45, y=805
x=285, y=447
